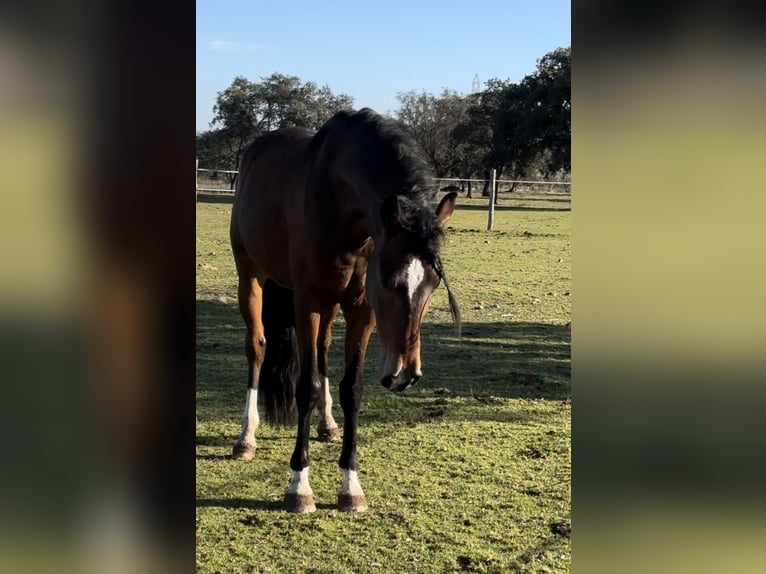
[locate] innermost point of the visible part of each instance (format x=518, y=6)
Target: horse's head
x=404, y=271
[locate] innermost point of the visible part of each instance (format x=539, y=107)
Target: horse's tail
x=280, y=370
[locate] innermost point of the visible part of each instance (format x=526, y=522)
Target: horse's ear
x=389, y=211
x=445, y=209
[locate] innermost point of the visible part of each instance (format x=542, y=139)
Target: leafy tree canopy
x=522, y=129
x=246, y=109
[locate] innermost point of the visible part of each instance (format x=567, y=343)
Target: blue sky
x=371, y=50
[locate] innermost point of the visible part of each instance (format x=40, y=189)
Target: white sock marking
x=325, y=405
x=300, y=483
x=250, y=418
x=350, y=484
x=414, y=276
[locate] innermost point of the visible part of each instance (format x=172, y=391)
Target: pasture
x=467, y=471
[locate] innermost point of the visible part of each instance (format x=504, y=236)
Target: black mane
x=418, y=184
x=383, y=148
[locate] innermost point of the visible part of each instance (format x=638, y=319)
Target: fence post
x=196, y=185
x=492, y=192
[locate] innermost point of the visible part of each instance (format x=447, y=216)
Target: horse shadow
x=492, y=363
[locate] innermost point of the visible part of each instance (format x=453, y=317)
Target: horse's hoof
x=352, y=502
x=328, y=434
x=299, y=503
x=243, y=451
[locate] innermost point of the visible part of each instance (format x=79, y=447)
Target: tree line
x=522, y=129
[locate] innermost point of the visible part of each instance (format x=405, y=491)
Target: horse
x=342, y=218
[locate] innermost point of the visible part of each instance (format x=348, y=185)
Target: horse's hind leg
x=327, y=428
x=360, y=322
x=250, y=295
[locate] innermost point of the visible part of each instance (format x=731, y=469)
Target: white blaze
x=414, y=276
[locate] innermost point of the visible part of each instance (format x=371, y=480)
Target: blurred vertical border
x=669, y=275
x=97, y=287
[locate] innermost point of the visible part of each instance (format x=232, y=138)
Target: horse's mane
x=381, y=144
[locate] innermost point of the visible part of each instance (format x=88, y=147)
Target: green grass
x=468, y=471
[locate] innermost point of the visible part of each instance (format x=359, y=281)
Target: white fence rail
x=514, y=185
x=225, y=184
x=215, y=177
x=459, y=179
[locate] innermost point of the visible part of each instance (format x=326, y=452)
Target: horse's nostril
x=387, y=381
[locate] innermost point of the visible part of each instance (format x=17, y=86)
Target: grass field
x=468, y=471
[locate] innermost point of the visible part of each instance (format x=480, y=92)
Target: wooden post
x=196, y=185
x=492, y=192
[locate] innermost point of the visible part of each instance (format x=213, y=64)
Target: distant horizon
x=413, y=46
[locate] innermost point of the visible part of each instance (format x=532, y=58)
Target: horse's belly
x=267, y=245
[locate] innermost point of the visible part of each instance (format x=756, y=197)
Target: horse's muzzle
x=398, y=383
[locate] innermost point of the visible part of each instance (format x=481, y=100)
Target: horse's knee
x=315, y=389
x=350, y=389
x=350, y=395
x=309, y=389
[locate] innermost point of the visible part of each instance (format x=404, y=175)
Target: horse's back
x=270, y=162
x=271, y=167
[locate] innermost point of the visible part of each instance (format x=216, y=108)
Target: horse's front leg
x=359, y=324
x=299, y=496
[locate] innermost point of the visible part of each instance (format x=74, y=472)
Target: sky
x=372, y=50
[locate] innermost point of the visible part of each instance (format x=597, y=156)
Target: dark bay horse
x=342, y=218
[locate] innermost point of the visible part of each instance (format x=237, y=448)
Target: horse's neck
x=369, y=222
x=367, y=199
x=353, y=201
x=346, y=215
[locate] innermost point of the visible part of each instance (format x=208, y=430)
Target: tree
x=432, y=121
x=478, y=134
x=245, y=110
x=469, y=138
x=533, y=120
x=215, y=149
x=520, y=127
x=284, y=102
x=553, y=90
x=235, y=122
